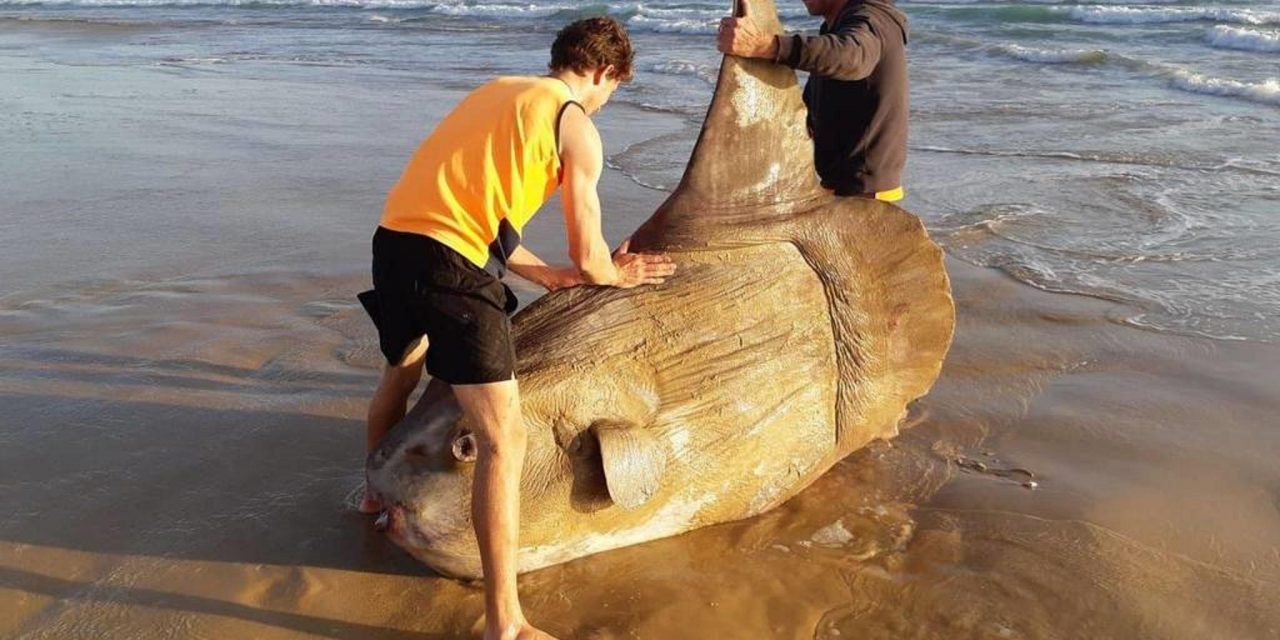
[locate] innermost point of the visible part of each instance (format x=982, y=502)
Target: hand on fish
x=636, y=269
x=746, y=38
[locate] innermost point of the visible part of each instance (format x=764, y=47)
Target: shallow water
x=1120, y=149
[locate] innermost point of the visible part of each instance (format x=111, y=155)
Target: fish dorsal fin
x=753, y=160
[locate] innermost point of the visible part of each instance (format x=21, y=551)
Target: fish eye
x=464, y=447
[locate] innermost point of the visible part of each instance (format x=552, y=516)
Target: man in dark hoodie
x=857, y=89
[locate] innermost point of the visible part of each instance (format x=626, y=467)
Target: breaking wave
x=1052, y=56
x=1240, y=39
x=1267, y=92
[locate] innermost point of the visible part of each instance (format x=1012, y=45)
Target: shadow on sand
x=125, y=596
x=263, y=486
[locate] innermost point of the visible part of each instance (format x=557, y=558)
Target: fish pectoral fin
x=634, y=461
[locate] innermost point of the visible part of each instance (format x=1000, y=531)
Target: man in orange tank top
x=451, y=228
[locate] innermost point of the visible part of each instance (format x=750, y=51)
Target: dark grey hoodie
x=856, y=94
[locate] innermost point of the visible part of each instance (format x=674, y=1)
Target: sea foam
x=666, y=25
x=499, y=10
x=703, y=72
x=1146, y=15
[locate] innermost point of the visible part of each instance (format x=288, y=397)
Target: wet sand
x=180, y=457
x=184, y=372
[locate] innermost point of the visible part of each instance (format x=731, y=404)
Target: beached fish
x=797, y=330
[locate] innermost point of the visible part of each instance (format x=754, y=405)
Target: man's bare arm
x=525, y=264
x=582, y=159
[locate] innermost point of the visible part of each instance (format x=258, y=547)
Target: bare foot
x=523, y=631
x=369, y=505
x=529, y=633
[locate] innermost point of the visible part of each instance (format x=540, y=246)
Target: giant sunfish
x=797, y=329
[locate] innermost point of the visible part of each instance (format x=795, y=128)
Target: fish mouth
x=394, y=522
x=397, y=522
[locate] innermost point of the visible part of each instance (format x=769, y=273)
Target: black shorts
x=422, y=287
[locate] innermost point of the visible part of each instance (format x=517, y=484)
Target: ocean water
x=1123, y=150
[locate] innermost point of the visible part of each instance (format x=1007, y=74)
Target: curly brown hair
x=593, y=43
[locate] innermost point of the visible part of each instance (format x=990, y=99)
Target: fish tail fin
x=891, y=308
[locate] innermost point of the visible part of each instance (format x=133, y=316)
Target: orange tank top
x=485, y=169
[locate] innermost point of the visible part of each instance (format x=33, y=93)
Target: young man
x=450, y=228
x=856, y=93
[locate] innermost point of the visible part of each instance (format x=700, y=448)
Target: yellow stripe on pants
x=892, y=195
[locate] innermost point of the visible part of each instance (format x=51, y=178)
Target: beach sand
x=180, y=460
x=181, y=417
